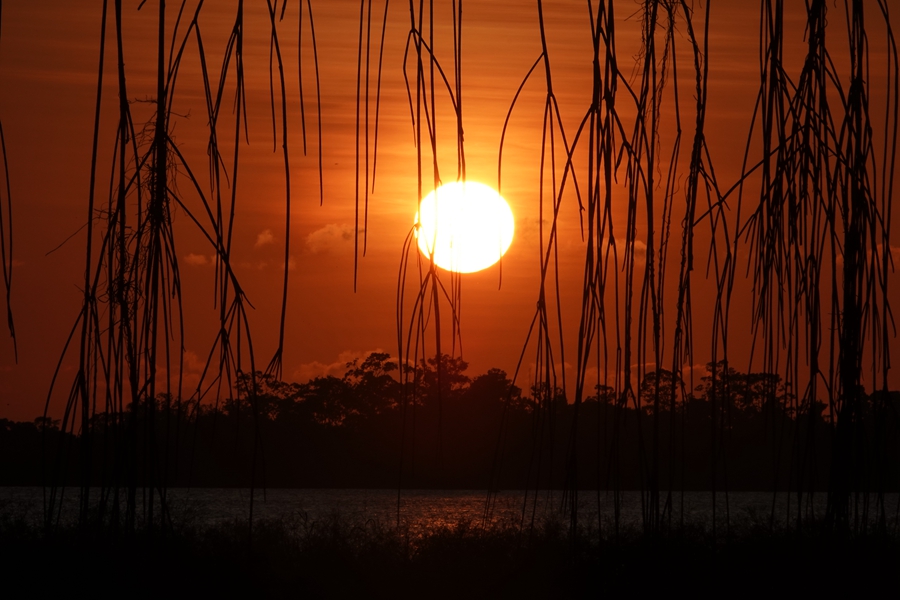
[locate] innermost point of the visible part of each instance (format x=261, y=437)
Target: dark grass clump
x=336, y=557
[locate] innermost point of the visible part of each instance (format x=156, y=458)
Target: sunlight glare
x=467, y=225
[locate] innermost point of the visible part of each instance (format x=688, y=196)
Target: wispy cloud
x=528, y=228
x=197, y=260
x=330, y=238
x=262, y=265
x=640, y=252
x=256, y=265
x=894, y=253
x=194, y=368
x=264, y=238
x=311, y=370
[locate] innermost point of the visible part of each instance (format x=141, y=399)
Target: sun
x=467, y=225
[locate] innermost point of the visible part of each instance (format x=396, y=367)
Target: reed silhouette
x=808, y=218
x=816, y=240
x=6, y=240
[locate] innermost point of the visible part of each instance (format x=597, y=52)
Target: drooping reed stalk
x=821, y=202
x=131, y=342
x=819, y=241
x=816, y=240
x=430, y=81
x=609, y=147
x=6, y=230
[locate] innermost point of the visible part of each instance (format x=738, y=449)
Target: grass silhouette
x=6, y=231
x=335, y=556
x=808, y=218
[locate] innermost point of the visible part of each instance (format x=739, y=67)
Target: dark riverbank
x=462, y=432
x=337, y=558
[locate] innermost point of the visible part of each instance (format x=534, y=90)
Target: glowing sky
x=48, y=78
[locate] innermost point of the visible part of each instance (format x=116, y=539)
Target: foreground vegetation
x=335, y=557
x=802, y=236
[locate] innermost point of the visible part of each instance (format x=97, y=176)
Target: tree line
x=436, y=426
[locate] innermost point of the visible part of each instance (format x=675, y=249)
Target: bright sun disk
x=467, y=225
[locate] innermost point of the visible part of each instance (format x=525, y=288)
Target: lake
x=422, y=510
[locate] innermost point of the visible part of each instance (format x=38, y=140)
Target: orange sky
x=48, y=63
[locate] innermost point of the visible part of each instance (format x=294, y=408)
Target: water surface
x=422, y=510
